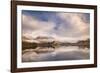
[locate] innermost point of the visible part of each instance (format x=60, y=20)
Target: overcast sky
x=56, y=24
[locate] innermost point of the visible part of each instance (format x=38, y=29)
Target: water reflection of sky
x=57, y=54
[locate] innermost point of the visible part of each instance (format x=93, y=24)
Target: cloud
x=35, y=24
x=72, y=26
x=76, y=26
x=32, y=26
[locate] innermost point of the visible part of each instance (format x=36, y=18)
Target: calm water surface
x=55, y=54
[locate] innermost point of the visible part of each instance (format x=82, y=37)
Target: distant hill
x=45, y=41
x=28, y=45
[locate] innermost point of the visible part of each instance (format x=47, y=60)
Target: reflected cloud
x=61, y=53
